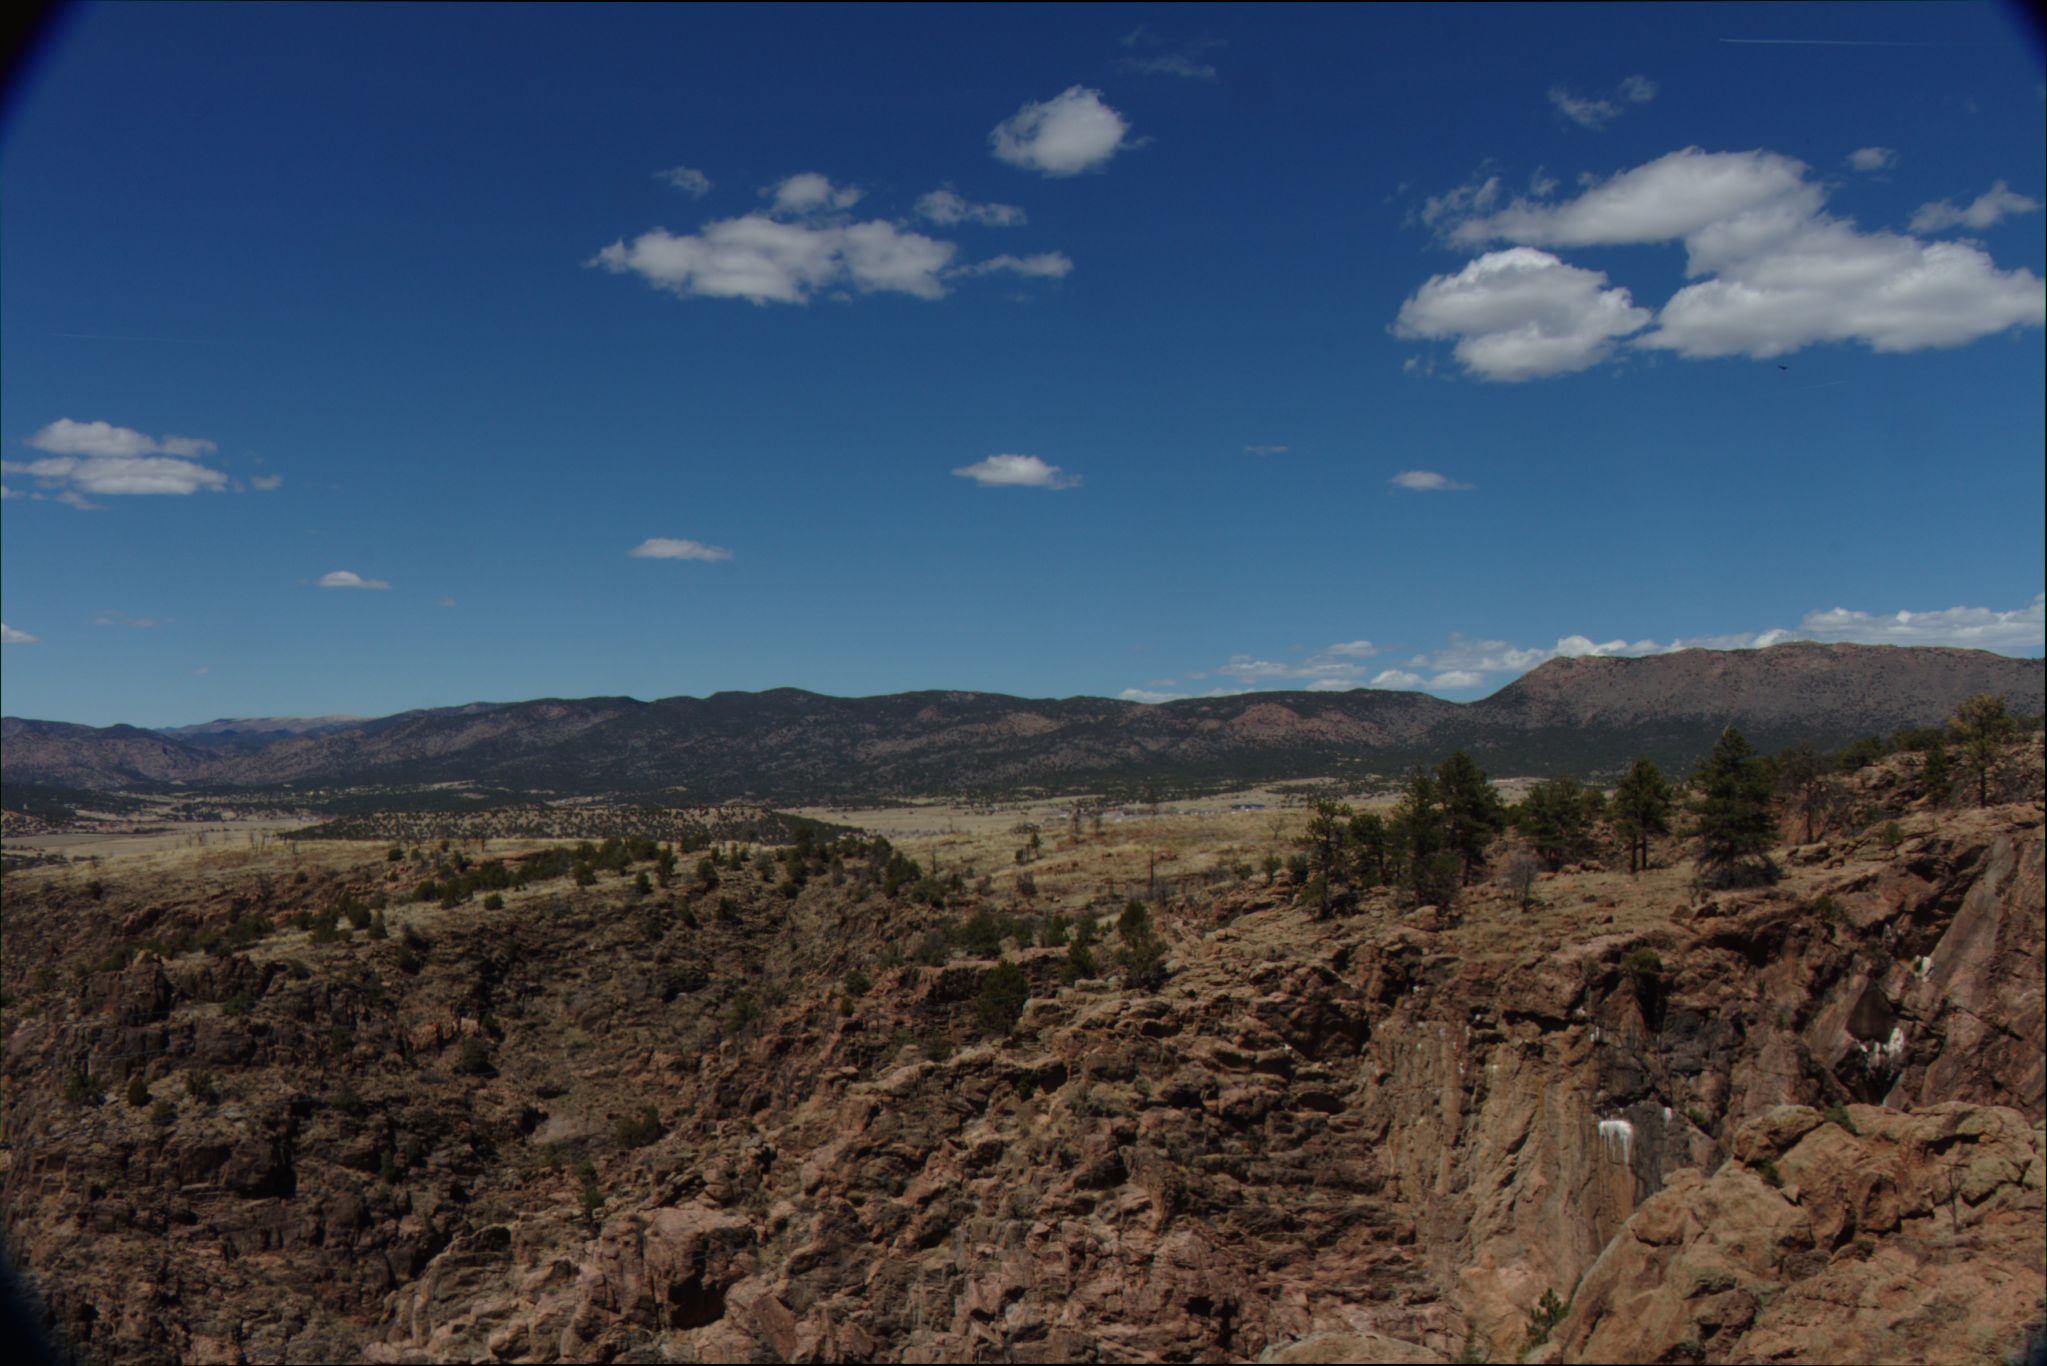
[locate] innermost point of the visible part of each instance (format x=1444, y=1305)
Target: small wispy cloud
x=1182, y=60
x=1987, y=209
x=123, y=619
x=1333, y=668
x=10, y=636
x=1426, y=481
x=1169, y=64
x=1596, y=112
x=1046, y=265
x=688, y=179
x=1464, y=665
x=947, y=208
x=1265, y=450
x=678, y=548
x=1869, y=160
x=348, y=578
x=266, y=483
x=1017, y=472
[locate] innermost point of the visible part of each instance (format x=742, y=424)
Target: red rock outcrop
x=1389, y=1133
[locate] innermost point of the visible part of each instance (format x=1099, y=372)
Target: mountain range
x=1587, y=716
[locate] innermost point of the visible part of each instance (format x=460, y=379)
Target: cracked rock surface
x=1812, y=1132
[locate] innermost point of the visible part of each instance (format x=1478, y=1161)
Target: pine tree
x=1418, y=832
x=1326, y=842
x=1735, y=827
x=1981, y=727
x=1143, y=953
x=1472, y=812
x=1939, y=774
x=1803, y=777
x=1556, y=817
x=1641, y=808
x=1371, y=844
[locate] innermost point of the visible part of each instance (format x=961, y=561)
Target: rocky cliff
x=1798, y=1123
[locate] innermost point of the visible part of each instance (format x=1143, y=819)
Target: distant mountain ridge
x=1585, y=716
x=246, y=734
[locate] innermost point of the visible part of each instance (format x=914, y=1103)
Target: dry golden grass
x=1073, y=869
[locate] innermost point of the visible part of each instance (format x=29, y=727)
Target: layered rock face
x=1925, y=1226
x=1800, y=1123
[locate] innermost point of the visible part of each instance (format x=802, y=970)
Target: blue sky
x=362, y=358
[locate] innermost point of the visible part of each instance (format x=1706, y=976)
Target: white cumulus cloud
x=1824, y=281
x=946, y=208
x=1522, y=314
x=100, y=458
x=809, y=192
x=1664, y=200
x=1396, y=679
x=1074, y=131
x=1976, y=628
x=1771, y=272
x=763, y=260
x=1017, y=472
x=348, y=578
x=1985, y=210
x=1425, y=481
x=10, y=636
x=1872, y=159
x=688, y=179
x=675, y=548
x=101, y=440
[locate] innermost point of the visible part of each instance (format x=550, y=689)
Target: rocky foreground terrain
x=771, y=1120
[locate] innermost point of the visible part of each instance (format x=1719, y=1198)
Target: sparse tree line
x=1437, y=837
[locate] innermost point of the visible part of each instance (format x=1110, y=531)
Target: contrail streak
x=1820, y=42
x=110, y=336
